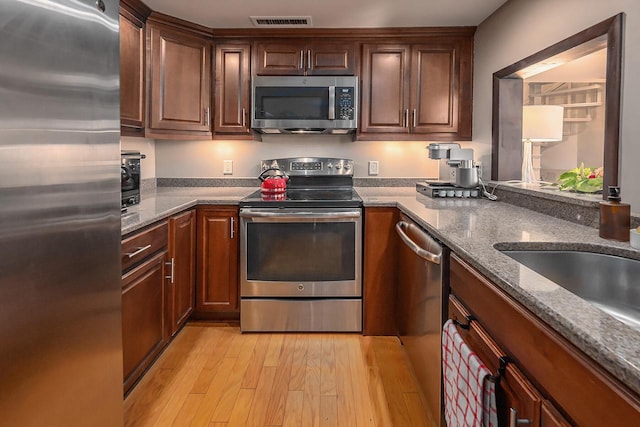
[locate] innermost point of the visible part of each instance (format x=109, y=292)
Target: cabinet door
x=331, y=59
x=143, y=317
x=180, y=81
x=280, y=59
x=385, y=88
x=217, y=278
x=232, y=89
x=182, y=255
x=434, y=88
x=132, y=81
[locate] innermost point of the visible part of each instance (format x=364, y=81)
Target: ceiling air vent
x=281, y=21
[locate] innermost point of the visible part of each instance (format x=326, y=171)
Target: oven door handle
x=300, y=215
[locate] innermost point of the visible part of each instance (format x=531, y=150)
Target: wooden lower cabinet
x=557, y=384
x=217, y=263
x=181, y=282
x=380, y=270
x=143, y=316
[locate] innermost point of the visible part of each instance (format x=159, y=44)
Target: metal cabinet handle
x=513, y=418
x=138, y=252
x=309, y=64
x=302, y=59
x=232, y=227
x=406, y=118
x=173, y=265
x=414, y=118
x=207, y=116
x=244, y=118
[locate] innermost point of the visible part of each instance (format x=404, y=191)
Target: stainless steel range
x=301, y=253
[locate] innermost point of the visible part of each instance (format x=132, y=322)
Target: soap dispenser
x=615, y=217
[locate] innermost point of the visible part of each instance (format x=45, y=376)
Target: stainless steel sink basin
x=612, y=283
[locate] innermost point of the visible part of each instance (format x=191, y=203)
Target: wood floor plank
x=258, y=413
x=214, y=393
x=415, y=409
x=364, y=410
x=311, y=404
x=276, y=379
x=375, y=386
x=328, y=367
x=215, y=355
x=344, y=389
x=328, y=411
x=273, y=352
x=252, y=375
x=278, y=399
x=241, y=409
x=299, y=363
x=188, y=410
x=231, y=389
x=293, y=409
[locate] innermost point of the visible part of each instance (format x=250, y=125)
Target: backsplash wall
x=204, y=159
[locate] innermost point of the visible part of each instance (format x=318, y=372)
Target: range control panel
x=315, y=166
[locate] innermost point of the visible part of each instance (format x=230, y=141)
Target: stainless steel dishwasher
x=420, y=309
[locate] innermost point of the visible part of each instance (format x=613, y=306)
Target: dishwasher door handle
x=401, y=226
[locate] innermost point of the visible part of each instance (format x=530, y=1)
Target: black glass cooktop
x=316, y=197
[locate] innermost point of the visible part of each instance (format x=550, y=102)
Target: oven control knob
x=274, y=164
x=329, y=165
x=338, y=166
x=347, y=166
x=300, y=287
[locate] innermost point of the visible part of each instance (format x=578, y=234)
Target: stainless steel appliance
x=301, y=255
x=420, y=309
x=130, y=177
x=60, y=289
x=315, y=104
x=464, y=170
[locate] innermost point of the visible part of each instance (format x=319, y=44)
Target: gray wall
x=523, y=27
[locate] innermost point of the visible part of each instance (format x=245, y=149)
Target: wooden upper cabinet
x=418, y=89
x=132, y=70
x=180, y=86
x=232, y=90
x=299, y=59
x=385, y=88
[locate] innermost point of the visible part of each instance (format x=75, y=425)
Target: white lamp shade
x=542, y=122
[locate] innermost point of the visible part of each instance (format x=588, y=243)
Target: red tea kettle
x=273, y=183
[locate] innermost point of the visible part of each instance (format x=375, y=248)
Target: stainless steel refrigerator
x=60, y=315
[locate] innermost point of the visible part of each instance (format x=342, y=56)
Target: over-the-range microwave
x=314, y=104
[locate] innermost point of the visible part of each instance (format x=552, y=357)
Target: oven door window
x=292, y=103
x=288, y=252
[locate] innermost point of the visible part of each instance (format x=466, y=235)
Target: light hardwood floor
x=212, y=375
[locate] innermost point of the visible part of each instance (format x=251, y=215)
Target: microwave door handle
x=332, y=102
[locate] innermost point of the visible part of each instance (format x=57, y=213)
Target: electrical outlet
x=452, y=174
x=374, y=167
x=227, y=167
x=479, y=166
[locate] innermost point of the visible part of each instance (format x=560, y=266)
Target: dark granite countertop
x=471, y=228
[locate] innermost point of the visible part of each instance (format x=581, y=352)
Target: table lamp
x=540, y=123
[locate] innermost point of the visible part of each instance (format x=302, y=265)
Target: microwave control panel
x=345, y=103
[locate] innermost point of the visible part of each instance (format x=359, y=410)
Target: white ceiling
x=332, y=13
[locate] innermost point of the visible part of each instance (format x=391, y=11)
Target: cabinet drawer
x=138, y=247
x=514, y=392
x=582, y=390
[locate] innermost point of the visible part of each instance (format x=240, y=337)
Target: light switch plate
x=227, y=167
x=374, y=167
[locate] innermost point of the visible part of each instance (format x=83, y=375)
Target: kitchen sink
x=612, y=283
